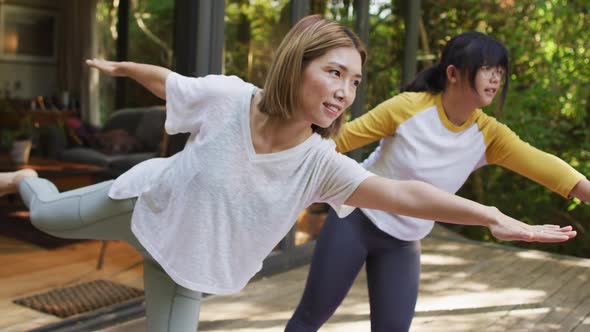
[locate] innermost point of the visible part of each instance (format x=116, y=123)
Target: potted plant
x=19, y=141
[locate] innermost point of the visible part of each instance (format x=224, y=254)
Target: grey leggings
x=88, y=213
x=393, y=273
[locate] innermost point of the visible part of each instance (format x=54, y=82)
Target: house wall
x=28, y=79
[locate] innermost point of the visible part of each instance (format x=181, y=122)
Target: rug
x=85, y=297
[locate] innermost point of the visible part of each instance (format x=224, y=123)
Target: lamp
x=11, y=42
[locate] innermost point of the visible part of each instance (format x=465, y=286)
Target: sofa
x=128, y=137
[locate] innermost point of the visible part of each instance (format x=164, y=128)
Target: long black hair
x=468, y=52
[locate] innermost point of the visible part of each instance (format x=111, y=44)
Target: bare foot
x=9, y=181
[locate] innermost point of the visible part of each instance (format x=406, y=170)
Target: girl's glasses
x=487, y=72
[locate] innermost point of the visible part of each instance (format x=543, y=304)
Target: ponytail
x=431, y=79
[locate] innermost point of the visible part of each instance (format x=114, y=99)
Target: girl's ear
x=452, y=73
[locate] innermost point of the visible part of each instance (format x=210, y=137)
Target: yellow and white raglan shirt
x=418, y=142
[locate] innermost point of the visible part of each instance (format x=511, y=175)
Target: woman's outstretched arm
x=422, y=200
x=151, y=77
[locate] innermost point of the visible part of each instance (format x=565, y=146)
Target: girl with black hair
x=436, y=132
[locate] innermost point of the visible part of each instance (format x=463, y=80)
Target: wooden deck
x=465, y=286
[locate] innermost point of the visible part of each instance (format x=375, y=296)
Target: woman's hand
x=509, y=229
x=151, y=77
x=111, y=68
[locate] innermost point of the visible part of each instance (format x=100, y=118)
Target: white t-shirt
x=210, y=214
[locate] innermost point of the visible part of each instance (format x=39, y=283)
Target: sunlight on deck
x=480, y=299
x=431, y=259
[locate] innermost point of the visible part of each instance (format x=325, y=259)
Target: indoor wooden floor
x=26, y=269
x=465, y=286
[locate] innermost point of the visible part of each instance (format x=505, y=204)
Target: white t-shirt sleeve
x=341, y=176
x=189, y=98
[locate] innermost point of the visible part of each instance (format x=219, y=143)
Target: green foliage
x=253, y=31
x=385, y=48
x=151, y=27
x=106, y=15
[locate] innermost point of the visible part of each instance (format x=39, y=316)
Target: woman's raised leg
x=84, y=213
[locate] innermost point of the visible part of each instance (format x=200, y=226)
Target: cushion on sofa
x=150, y=128
x=128, y=137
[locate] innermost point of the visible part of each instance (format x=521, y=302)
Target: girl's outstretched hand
x=509, y=229
x=112, y=68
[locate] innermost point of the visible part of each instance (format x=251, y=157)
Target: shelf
x=14, y=119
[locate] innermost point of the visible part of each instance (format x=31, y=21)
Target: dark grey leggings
x=88, y=213
x=393, y=273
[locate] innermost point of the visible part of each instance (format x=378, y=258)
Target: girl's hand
x=509, y=229
x=111, y=68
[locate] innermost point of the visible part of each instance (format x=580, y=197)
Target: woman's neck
x=457, y=109
x=271, y=134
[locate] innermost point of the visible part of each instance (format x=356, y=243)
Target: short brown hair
x=312, y=37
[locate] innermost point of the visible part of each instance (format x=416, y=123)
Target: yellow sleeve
x=379, y=122
x=506, y=149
